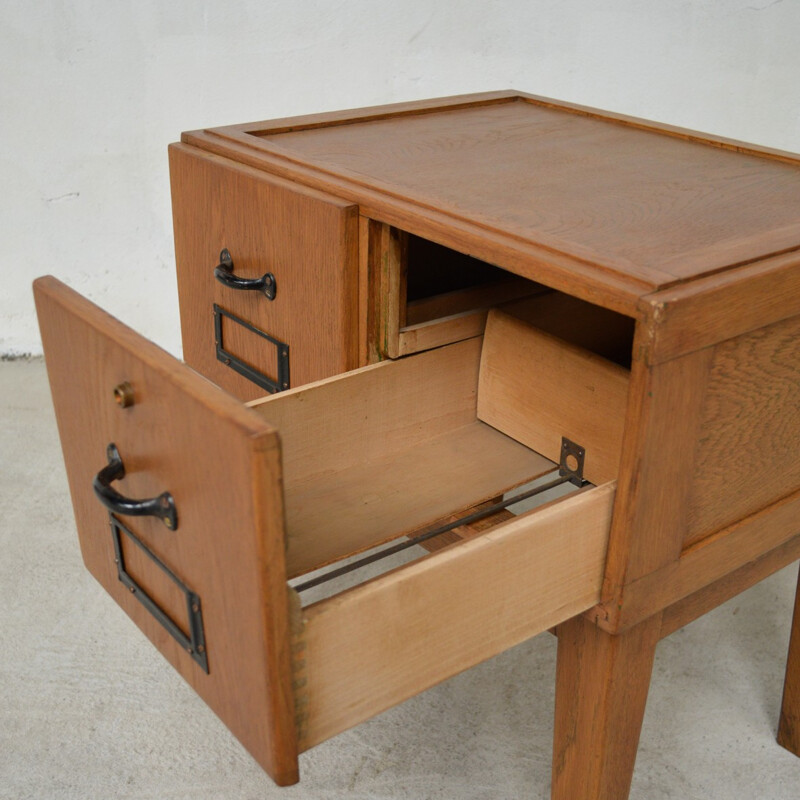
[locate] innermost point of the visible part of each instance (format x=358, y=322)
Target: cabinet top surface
x=640, y=202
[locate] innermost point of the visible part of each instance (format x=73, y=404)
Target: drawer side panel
x=369, y=648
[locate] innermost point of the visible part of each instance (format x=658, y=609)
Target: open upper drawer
x=243, y=501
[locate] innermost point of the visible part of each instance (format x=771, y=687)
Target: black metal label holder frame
x=235, y=363
x=195, y=643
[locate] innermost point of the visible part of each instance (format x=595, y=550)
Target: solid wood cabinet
x=530, y=287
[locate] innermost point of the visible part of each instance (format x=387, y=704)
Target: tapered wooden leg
x=789, y=726
x=601, y=692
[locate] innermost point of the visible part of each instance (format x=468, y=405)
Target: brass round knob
x=123, y=395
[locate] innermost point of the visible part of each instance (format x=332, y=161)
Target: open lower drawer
x=241, y=500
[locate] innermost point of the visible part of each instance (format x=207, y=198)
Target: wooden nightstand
x=528, y=287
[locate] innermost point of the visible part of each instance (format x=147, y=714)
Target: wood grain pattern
x=483, y=296
x=706, y=312
x=712, y=559
x=598, y=330
x=181, y=435
x=384, y=450
x=537, y=389
x=365, y=296
x=712, y=140
x=524, y=258
x=789, y=726
x=737, y=404
x=695, y=237
x=307, y=240
x=490, y=593
x=383, y=111
x=438, y=332
x=655, y=473
x=601, y=692
x=355, y=419
x=467, y=531
x=396, y=327
x=709, y=597
x=347, y=116
x=749, y=434
x=385, y=263
x=653, y=205
x=338, y=514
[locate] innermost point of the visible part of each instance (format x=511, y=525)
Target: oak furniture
x=408, y=311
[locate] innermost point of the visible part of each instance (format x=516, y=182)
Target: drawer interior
x=386, y=450
x=392, y=449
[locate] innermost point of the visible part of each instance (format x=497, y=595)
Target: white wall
x=91, y=93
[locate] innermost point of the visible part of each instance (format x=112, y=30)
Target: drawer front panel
x=307, y=241
x=191, y=585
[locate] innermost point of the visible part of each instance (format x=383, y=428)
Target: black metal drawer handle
x=162, y=506
x=223, y=272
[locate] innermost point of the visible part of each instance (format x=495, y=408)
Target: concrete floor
x=88, y=709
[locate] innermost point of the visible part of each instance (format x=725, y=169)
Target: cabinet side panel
x=750, y=429
x=306, y=239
